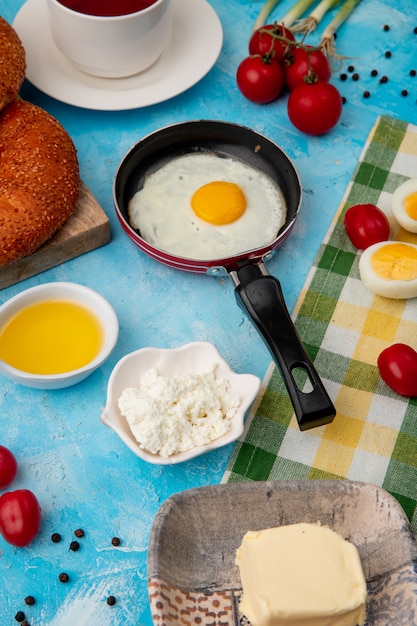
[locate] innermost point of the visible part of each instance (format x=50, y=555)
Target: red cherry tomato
x=20, y=517
x=305, y=66
x=315, y=108
x=8, y=467
x=365, y=225
x=397, y=366
x=260, y=79
x=263, y=43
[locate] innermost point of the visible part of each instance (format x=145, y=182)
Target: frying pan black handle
x=260, y=296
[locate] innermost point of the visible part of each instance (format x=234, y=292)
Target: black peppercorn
x=20, y=616
x=115, y=541
x=383, y=79
x=366, y=94
x=29, y=600
x=386, y=27
x=413, y=72
x=344, y=100
x=355, y=76
x=351, y=68
x=25, y=622
x=74, y=546
x=415, y=30
x=404, y=92
x=63, y=577
x=56, y=537
x=79, y=532
x=388, y=54
x=343, y=76
x=374, y=73
x=111, y=600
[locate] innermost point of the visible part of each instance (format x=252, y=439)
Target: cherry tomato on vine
x=315, y=108
x=305, y=65
x=20, y=517
x=260, y=79
x=365, y=225
x=8, y=467
x=397, y=366
x=263, y=43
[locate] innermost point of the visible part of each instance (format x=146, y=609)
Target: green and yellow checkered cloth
x=344, y=327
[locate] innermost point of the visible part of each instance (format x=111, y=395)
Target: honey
x=51, y=337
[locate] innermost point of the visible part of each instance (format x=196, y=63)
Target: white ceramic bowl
x=192, y=358
x=92, y=300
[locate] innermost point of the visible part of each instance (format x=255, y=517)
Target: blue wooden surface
x=81, y=472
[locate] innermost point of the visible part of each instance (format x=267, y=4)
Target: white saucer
x=194, y=48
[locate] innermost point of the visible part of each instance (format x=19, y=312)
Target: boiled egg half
x=404, y=205
x=389, y=269
x=204, y=206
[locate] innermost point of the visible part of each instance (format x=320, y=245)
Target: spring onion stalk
x=327, y=39
x=267, y=8
x=310, y=23
x=295, y=12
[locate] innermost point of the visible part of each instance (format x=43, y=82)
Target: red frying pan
x=257, y=292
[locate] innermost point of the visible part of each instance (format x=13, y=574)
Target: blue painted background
x=81, y=472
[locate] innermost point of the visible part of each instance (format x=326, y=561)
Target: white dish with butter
x=195, y=535
x=188, y=360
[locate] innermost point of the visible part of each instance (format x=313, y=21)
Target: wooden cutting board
x=87, y=228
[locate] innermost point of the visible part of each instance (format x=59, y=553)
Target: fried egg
x=404, y=205
x=389, y=269
x=203, y=206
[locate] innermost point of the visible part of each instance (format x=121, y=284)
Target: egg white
x=162, y=211
x=398, y=197
x=389, y=288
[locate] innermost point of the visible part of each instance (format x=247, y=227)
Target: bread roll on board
x=12, y=63
x=39, y=179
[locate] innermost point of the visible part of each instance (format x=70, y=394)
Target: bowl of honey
x=56, y=334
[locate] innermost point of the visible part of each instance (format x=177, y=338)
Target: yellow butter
x=301, y=575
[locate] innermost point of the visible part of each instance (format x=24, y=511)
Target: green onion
x=295, y=12
x=310, y=23
x=327, y=39
x=264, y=14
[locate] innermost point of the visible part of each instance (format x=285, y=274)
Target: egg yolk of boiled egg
x=404, y=205
x=410, y=205
x=219, y=202
x=390, y=269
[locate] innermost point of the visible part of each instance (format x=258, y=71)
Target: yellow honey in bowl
x=51, y=337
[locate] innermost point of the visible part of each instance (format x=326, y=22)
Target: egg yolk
x=410, y=205
x=219, y=202
x=395, y=262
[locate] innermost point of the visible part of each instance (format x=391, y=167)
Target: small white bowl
x=92, y=300
x=192, y=358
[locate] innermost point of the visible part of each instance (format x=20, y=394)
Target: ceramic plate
x=195, y=535
x=195, y=46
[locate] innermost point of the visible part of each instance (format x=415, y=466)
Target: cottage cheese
x=171, y=415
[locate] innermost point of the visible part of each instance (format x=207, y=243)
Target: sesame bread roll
x=39, y=179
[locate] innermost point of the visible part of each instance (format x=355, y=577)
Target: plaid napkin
x=344, y=327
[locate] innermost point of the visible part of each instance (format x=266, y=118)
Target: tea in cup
x=111, y=38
